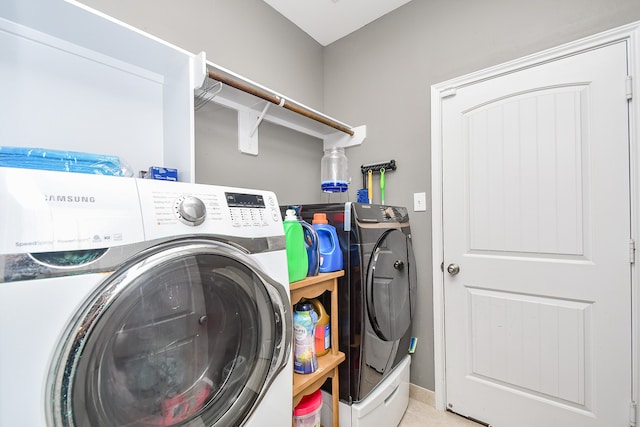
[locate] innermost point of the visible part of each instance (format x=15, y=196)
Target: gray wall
x=250, y=38
x=246, y=36
x=379, y=76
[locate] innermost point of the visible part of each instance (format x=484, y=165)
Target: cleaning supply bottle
x=330, y=252
x=297, y=261
x=311, y=244
x=333, y=171
x=305, y=319
x=323, y=328
x=307, y=412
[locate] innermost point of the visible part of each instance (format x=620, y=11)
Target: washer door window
x=183, y=335
x=391, y=281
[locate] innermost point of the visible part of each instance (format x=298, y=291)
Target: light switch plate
x=419, y=202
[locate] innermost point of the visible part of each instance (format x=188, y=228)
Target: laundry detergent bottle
x=323, y=328
x=305, y=320
x=330, y=252
x=297, y=262
x=311, y=244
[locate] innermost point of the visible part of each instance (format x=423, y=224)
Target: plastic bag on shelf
x=64, y=161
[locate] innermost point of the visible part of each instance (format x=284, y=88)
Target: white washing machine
x=130, y=302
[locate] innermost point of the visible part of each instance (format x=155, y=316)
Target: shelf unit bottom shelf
x=308, y=383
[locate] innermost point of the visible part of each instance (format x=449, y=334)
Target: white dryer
x=130, y=302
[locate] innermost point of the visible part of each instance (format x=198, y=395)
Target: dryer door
x=188, y=333
x=391, y=281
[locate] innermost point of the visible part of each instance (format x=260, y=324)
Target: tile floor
x=422, y=413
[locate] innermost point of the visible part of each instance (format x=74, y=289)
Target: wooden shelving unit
x=312, y=287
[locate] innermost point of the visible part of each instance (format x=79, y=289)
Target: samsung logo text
x=69, y=198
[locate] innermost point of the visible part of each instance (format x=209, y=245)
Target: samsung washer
x=128, y=302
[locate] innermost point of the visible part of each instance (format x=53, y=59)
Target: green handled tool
x=382, y=186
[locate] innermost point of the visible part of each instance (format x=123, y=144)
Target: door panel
x=526, y=169
x=536, y=345
x=536, y=212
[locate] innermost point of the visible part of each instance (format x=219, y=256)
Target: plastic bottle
x=323, y=328
x=330, y=252
x=307, y=413
x=297, y=262
x=334, y=177
x=311, y=245
x=304, y=327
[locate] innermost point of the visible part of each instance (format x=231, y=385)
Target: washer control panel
x=174, y=208
x=252, y=209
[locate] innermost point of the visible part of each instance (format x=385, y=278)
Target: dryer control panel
x=368, y=213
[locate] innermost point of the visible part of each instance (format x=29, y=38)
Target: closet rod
x=278, y=101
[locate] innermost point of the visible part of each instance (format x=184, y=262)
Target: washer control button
x=190, y=210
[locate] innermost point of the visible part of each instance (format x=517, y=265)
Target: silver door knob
x=453, y=269
x=398, y=265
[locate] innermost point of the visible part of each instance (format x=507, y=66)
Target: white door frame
x=630, y=33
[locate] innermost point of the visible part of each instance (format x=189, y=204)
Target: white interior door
x=536, y=215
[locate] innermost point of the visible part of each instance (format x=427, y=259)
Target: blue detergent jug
x=313, y=251
x=330, y=252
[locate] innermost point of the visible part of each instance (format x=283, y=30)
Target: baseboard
x=422, y=394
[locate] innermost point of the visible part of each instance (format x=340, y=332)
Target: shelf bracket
x=248, y=141
x=341, y=139
x=260, y=117
x=248, y=132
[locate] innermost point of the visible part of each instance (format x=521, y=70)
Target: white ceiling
x=329, y=20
